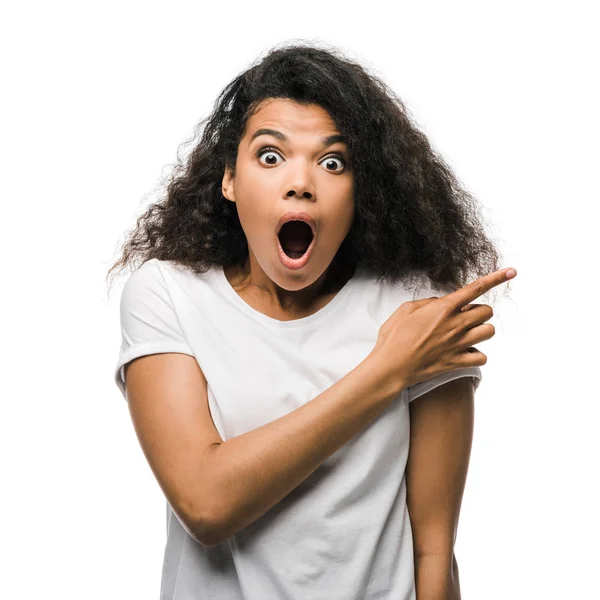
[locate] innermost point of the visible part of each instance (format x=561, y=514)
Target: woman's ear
x=227, y=185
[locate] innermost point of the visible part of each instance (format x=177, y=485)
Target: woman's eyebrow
x=327, y=141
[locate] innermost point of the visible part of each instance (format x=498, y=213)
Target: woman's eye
x=267, y=151
x=329, y=161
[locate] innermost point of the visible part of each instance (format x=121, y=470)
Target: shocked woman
x=302, y=282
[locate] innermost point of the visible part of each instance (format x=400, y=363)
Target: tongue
x=295, y=245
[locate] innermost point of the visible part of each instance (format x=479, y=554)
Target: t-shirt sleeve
x=418, y=389
x=149, y=324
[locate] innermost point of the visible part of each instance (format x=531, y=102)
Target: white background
x=96, y=99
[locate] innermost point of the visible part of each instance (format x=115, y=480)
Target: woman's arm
x=441, y=433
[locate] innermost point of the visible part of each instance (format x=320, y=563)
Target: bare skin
x=300, y=174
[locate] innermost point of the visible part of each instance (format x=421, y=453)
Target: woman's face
x=299, y=173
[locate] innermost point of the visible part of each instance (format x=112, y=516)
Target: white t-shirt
x=344, y=533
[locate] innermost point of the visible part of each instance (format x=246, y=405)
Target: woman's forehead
x=288, y=113
x=288, y=122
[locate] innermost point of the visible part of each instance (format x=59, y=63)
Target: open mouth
x=295, y=237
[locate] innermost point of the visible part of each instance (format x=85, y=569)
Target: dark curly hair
x=412, y=216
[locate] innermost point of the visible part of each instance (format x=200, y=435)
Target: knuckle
x=446, y=304
x=407, y=307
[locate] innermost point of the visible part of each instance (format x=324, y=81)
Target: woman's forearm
x=252, y=472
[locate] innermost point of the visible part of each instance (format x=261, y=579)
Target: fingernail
x=511, y=273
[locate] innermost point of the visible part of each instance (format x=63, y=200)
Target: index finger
x=473, y=290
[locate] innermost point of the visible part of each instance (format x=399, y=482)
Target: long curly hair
x=412, y=216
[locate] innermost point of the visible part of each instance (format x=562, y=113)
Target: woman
x=285, y=316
